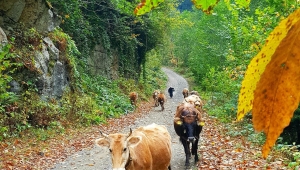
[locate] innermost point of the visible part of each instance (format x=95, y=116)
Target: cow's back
x=157, y=141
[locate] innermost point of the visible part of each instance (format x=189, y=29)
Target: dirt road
x=96, y=158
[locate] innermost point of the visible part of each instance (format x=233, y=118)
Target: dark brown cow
x=161, y=98
x=185, y=92
x=187, y=126
x=146, y=148
x=133, y=96
x=155, y=97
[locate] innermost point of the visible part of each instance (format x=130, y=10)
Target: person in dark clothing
x=170, y=91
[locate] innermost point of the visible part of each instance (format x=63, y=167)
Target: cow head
x=155, y=97
x=155, y=93
x=185, y=92
x=119, y=146
x=189, y=123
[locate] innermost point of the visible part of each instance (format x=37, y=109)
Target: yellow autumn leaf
x=259, y=62
x=271, y=85
x=278, y=92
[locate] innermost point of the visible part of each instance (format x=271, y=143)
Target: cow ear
x=134, y=140
x=102, y=142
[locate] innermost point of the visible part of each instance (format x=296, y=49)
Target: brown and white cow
x=196, y=101
x=185, y=92
x=195, y=93
x=146, y=148
x=133, y=96
x=187, y=125
x=155, y=97
x=161, y=98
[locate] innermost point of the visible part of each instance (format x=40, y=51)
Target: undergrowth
x=89, y=99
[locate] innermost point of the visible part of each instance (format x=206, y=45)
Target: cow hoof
x=196, y=159
x=187, y=164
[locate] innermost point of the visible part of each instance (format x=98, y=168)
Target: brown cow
x=185, y=92
x=187, y=125
x=146, y=148
x=161, y=98
x=155, y=97
x=133, y=96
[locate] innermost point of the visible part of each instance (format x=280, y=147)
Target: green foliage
x=124, y=6
x=223, y=86
x=245, y=129
x=146, y=6
x=90, y=99
x=74, y=23
x=8, y=65
x=107, y=95
x=216, y=48
x=110, y=24
x=205, y=42
x=69, y=52
x=153, y=78
x=219, y=81
x=295, y=164
x=81, y=109
x=291, y=152
x=7, y=68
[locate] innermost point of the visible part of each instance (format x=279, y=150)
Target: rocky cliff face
x=100, y=63
x=53, y=76
x=31, y=13
x=51, y=80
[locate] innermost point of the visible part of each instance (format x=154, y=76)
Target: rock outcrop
x=31, y=13
x=53, y=76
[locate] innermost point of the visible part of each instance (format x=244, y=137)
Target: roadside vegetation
x=90, y=99
x=213, y=52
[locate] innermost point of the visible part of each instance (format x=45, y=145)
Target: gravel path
x=96, y=158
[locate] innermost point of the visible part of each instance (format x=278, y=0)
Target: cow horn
x=130, y=132
x=103, y=134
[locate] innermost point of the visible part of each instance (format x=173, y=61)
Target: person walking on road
x=170, y=91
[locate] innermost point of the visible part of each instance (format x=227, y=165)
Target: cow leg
x=186, y=146
x=194, y=147
x=196, y=158
x=194, y=150
x=198, y=130
x=189, y=150
x=162, y=106
x=156, y=103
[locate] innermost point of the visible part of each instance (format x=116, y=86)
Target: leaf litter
x=219, y=151
x=216, y=149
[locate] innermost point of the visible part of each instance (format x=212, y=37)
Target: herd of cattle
x=149, y=147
